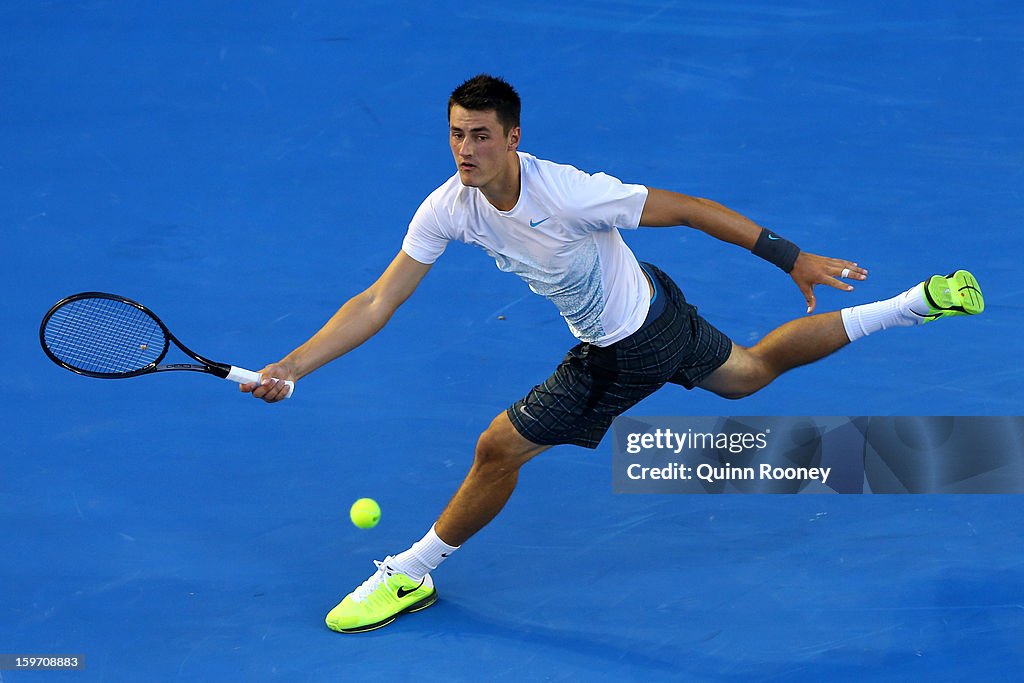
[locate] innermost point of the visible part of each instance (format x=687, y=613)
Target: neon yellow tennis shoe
x=956, y=294
x=380, y=600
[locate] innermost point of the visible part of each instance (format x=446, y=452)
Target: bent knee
x=494, y=455
x=737, y=394
x=501, y=446
x=743, y=388
x=490, y=446
x=748, y=385
x=745, y=373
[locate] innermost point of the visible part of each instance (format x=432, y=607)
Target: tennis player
x=558, y=228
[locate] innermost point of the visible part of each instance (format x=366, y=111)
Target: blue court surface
x=243, y=168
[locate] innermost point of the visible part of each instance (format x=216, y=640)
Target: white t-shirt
x=561, y=237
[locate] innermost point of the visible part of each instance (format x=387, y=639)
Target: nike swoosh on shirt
x=534, y=224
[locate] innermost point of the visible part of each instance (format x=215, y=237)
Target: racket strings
x=104, y=336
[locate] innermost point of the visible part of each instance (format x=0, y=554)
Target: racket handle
x=243, y=376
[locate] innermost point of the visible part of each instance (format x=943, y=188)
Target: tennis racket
x=112, y=337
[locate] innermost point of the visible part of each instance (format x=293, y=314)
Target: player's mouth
x=466, y=166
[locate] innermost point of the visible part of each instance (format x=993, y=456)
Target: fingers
x=835, y=273
x=270, y=390
x=846, y=270
x=272, y=387
x=812, y=270
x=812, y=302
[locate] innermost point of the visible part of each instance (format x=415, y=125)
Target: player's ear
x=513, y=139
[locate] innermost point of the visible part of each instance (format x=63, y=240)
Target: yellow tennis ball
x=365, y=513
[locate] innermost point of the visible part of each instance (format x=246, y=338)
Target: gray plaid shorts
x=594, y=384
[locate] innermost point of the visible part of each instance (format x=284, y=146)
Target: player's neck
x=503, y=192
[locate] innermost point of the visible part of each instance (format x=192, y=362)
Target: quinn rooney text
x=727, y=472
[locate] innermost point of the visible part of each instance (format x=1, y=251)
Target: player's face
x=484, y=153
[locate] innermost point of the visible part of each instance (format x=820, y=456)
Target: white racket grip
x=243, y=376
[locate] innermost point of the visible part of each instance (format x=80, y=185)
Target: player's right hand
x=272, y=388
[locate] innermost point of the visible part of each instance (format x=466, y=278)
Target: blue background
x=243, y=168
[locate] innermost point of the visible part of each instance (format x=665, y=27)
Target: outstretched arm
x=664, y=209
x=360, y=318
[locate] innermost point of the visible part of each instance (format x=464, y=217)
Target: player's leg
x=806, y=340
x=402, y=583
x=575, y=405
x=500, y=452
x=796, y=343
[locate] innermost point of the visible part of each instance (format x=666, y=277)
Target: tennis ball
x=365, y=513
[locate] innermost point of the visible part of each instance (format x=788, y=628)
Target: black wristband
x=775, y=249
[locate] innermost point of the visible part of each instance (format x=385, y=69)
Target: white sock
x=423, y=557
x=903, y=310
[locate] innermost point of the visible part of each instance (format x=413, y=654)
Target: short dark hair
x=488, y=93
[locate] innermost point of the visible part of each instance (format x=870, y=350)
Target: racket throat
x=210, y=368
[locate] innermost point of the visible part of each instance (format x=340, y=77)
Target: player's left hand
x=811, y=269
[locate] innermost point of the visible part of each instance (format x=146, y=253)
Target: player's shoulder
x=443, y=200
x=447, y=190
x=545, y=167
x=563, y=175
x=567, y=182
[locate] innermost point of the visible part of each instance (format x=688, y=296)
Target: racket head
x=103, y=335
